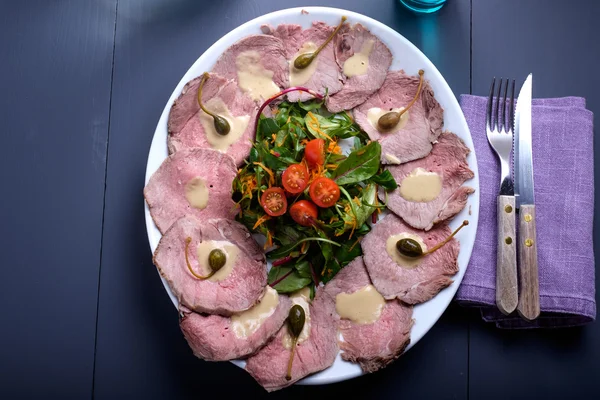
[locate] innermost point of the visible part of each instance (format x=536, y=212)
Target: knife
x=529, y=298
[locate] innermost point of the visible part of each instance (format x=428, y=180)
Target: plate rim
x=473, y=202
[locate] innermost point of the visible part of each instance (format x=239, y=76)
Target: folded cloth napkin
x=563, y=164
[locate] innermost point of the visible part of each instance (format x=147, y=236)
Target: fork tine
x=511, y=116
x=504, y=125
x=488, y=116
x=497, y=111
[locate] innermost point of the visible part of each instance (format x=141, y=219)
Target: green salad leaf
x=359, y=166
x=287, y=279
x=385, y=180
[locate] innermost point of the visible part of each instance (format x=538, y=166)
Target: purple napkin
x=563, y=163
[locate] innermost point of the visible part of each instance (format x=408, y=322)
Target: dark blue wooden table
x=82, y=84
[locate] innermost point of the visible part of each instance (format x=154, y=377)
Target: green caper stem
x=187, y=261
x=442, y=243
x=288, y=376
x=403, y=245
x=414, y=100
x=304, y=60
x=221, y=125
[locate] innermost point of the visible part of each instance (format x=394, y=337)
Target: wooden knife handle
x=506, y=261
x=529, y=299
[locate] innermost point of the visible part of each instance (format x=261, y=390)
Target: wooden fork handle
x=529, y=300
x=506, y=261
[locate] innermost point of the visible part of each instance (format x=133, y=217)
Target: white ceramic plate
x=407, y=57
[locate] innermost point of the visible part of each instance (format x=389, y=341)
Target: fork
x=500, y=137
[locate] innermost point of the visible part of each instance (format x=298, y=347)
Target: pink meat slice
x=416, y=285
x=425, y=118
x=448, y=159
x=185, y=129
x=269, y=365
x=272, y=55
x=372, y=346
x=238, y=292
x=165, y=191
x=211, y=337
x=358, y=88
x=328, y=75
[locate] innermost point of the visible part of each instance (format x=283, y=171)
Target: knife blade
x=529, y=298
x=523, y=152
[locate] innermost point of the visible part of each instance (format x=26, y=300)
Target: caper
x=304, y=60
x=221, y=125
x=389, y=120
x=296, y=319
x=216, y=259
x=409, y=248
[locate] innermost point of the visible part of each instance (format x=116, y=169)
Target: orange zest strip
x=268, y=171
x=314, y=124
x=262, y=219
x=355, y=243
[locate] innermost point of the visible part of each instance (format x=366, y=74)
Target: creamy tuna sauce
x=196, y=193
x=421, y=186
x=395, y=255
x=244, y=324
x=231, y=252
x=373, y=115
x=358, y=64
x=300, y=76
x=253, y=77
x=302, y=298
x=237, y=124
x=392, y=158
x=363, y=306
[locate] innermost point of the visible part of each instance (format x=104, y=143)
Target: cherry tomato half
x=304, y=212
x=274, y=202
x=324, y=192
x=314, y=153
x=295, y=178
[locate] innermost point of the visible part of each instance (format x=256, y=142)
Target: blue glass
x=423, y=6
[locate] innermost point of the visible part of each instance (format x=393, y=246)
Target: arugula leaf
x=288, y=235
x=310, y=105
x=347, y=252
x=337, y=125
x=359, y=166
x=303, y=269
x=286, y=279
x=385, y=180
x=330, y=269
x=266, y=127
x=358, y=214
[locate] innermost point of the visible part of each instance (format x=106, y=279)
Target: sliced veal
x=182, y=259
x=257, y=63
x=323, y=74
x=364, y=60
x=446, y=164
x=418, y=128
x=373, y=345
x=193, y=181
x=409, y=280
x=189, y=126
x=316, y=352
x=219, y=338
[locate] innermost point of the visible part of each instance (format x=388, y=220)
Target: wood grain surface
x=529, y=295
x=507, y=295
x=55, y=80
